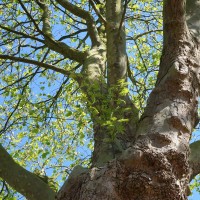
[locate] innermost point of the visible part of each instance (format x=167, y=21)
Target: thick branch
x=23, y=181
x=45, y=17
x=174, y=31
x=34, y=62
x=173, y=102
x=194, y=159
x=92, y=30
x=116, y=42
x=67, y=51
x=110, y=142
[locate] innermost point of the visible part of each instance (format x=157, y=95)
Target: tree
x=76, y=70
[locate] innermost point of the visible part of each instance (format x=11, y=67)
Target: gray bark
x=193, y=18
x=92, y=82
x=150, y=158
x=156, y=166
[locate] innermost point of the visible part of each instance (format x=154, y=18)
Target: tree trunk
x=156, y=165
x=137, y=159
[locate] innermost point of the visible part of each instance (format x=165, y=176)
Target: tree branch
x=23, y=181
x=22, y=34
x=142, y=34
x=194, y=159
x=98, y=12
x=57, y=46
x=30, y=17
x=45, y=17
x=72, y=34
x=34, y=62
x=123, y=16
x=92, y=30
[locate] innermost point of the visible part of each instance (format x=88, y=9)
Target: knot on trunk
x=143, y=171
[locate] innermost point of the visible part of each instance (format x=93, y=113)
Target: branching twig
x=98, y=12
x=123, y=16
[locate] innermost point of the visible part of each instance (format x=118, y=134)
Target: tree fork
x=156, y=166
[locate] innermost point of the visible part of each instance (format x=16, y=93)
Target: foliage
x=45, y=120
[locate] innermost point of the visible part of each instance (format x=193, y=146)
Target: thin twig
x=98, y=12
x=123, y=16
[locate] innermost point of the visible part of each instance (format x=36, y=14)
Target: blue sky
x=195, y=195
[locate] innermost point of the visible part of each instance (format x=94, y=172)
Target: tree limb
x=23, y=181
x=92, y=30
x=30, y=17
x=54, y=45
x=123, y=16
x=98, y=12
x=34, y=62
x=142, y=34
x=194, y=159
x=22, y=34
x=46, y=29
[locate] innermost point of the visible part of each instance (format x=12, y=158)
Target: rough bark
x=150, y=159
x=156, y=166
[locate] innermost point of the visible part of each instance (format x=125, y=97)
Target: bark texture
x=106, y=97
x=156, y=165
x=150, y=158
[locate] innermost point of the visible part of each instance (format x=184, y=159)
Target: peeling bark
x=140, y=173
